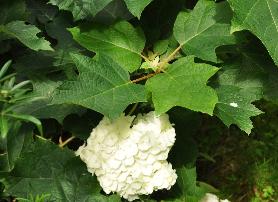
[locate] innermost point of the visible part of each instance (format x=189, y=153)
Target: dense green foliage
x=211, y=65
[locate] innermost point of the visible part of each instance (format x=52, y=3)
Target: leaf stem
x=170, y=57
x=62, y=144
x=144, y=77
x=133, y=109
x=144, y=57
x=161, y=66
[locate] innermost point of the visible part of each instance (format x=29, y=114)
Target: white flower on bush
x=212, y=198
x=131, y=159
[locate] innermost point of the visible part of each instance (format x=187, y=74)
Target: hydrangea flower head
x=131, y=159
x=212, y=198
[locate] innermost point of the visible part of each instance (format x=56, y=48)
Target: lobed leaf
x=26, y=34
x=42, y=107
x=81, y=9
x=204, y=29
x=235, y=107
x=102, y=85
x=137, y=7
x=241, y=83
x=183, y=84
x=45, y=168
x=261, y=18
x=122, y=42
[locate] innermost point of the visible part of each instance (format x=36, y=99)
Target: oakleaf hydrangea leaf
x=136, y=7
x=42, y=107
x=45, y=168
x=26, y=34
x=81, y=8
x=261, y=18
x=235, y=107
x=122, y=42
x=201, y=31
x=240, y=83
x=102, y=85
x=184, y=84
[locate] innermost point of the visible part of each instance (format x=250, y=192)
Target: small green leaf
x=81, y=8
x=136, y=7
x=26, y=34
x=184, y=84
x=204, y=29
x=27, y=118
x=122, y=42
x=102, y=85
x=160, y=47
x=186, y=188
x=4, y=127
x=5, y=68
x=261, y=18
x=11, y=145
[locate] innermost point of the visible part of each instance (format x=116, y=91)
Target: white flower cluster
x=131, y=161
x=212, y=198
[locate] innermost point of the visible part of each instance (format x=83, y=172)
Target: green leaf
x=251, y=15
x=161, y=47
x=122, y=42
x=136, y=7
x=240, y=84
x=65, y=45
x=235, y=107
x=12, y=10
x=28, y=118
x=186, y=123
x=42, y=107
x=81, y=8
x=11, y=145
x=204, y=29
x=45, y=168
x=4, y=127
x=186, y=188
x=102, y=85
x=113, y=12
x=26, y=34
x=184, y=84
x=187, y=182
